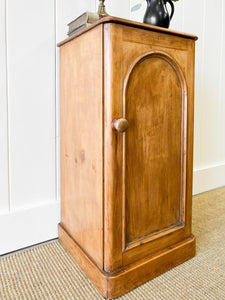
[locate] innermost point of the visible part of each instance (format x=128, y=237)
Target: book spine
x=87, y=17
x=70, y=33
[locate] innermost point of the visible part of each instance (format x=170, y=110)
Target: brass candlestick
x=101, y=9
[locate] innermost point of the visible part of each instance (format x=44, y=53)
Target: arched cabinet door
x=154, y=149
x=148, y=138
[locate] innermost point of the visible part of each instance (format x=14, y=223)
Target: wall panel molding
x=27, y=123
x=4, y=175
x=222, y=85
x=31, y=100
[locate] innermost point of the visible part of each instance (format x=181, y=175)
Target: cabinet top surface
x=130, y=23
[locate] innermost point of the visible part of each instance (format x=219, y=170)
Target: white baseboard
x=208, y=178
x=28, y=226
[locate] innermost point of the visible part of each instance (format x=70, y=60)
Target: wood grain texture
x=130, y=23
x=132, y=217
x=153, y=105
x=113, y=142
x=97, y=276
x=112, y=285
x=150, y=267
x=81, y=141
x=123, y=48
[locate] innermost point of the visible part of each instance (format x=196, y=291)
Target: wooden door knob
x=120, y=124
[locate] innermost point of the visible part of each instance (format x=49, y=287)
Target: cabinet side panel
x=81, y=141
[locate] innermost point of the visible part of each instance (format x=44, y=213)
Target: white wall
x=29, y=210
x=207, y=20
x=29, y=106
x=29, y=115
x=4, y=204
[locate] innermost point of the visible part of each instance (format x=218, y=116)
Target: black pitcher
x=157, y=13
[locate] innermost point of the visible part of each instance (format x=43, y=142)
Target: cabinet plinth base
x=112, y=285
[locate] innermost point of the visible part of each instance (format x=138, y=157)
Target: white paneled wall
x=31, y=101
x=29, y=212
x=29, y=106
x=4, y=203
x=29, y=115
x=205, y=19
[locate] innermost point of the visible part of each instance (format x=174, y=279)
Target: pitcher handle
x=172, y=8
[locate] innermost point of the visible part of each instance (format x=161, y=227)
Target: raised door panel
x=153, y=105
x=148, y=79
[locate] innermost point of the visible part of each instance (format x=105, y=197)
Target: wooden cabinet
x=127, y=93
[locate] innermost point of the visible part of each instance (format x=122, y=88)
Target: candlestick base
x=101, y=9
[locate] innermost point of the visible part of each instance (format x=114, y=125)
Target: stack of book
x=83, y=21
